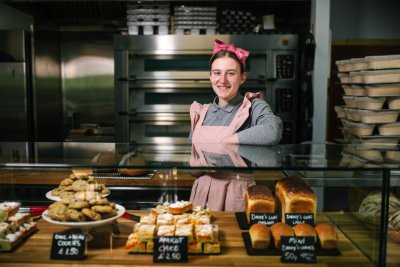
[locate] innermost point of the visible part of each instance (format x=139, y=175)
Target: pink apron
x=219, y=190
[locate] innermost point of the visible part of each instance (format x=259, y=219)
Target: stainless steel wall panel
x=13, y=115
x=88, y=78
x=47, y=87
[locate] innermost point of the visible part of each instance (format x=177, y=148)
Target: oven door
x=159, y=128
x=176, y=96
x=184, y=67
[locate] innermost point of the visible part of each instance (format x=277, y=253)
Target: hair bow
x=240, y=53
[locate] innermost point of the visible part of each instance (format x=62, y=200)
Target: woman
x=230, y=119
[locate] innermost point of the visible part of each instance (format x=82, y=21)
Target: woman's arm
x=265, y=127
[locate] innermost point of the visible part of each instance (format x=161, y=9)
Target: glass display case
x=356, y=185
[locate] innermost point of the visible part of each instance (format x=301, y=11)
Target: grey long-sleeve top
x=262, y=127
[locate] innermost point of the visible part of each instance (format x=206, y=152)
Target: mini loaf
x=260, y=236
x=259, y=199
x=304, y=229
x=278, y=230
x=327, y=236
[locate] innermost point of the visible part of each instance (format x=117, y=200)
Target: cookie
x=78, y=205
x=91, y=214
x=56, y=191
x=101, y=209
x=58, y=211
x=75, y=215
x=79, y=185
x=87, y=196
x=66, y=182
x=101, y=201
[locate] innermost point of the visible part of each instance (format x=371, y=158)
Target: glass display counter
x=356, y=185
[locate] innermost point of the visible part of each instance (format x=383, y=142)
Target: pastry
x=146, y=232
x=259, y=199
x=295, y=196
x=278, y=230
x=185, y=230
x=12, y=239
x=327, y=236
x=212, y=248
x=134, y=245
x=260, y=236
x=304, y=229
x=166, y=230
x=195, y=248
x=8, y=209
x=148, y=219
x=180, y=207
x=182, y=219
x=165, y=218
x=204, y=233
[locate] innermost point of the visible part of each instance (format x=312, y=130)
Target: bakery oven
x=158, y=77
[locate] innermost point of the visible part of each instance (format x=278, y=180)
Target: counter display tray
x=241, y=219
x=272, y=251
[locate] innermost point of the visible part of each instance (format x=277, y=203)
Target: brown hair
x=226, y=53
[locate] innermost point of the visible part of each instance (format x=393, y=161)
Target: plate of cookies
x=69, y=186
x=60, y=214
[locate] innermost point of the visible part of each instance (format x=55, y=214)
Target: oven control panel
x=285, y=66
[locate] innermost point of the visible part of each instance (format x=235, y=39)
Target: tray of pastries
x=15, y=226
x=176, y=219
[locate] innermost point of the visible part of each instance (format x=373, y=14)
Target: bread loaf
x=133, y=172
x=304, y=229
x=260, y=236
x=295, y=196
x=259, y=199
x=327, y=236
x=278, y=230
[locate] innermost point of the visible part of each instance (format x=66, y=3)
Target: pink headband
x=241, y=54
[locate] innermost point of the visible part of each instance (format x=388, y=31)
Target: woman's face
x=226, y=78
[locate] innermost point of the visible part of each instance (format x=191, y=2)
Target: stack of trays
x=371, y=88
x=236, y=22
x=362, y=155
x=194, y=20
x=148, y=19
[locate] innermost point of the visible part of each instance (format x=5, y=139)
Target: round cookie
x=91, y=214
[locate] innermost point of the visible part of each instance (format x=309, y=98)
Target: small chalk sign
x=170, y=249
x=298, y=249
x=298, y=218
x=264, y=218
x=68, y=246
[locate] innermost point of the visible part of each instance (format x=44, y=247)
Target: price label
x=298, y=218
x=170, y=249
x=68, y=246
x=298, y=249
x=263, y=218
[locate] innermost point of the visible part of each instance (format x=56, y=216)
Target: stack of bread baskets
x=370, y=116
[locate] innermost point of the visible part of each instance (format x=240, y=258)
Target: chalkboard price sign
x=170, y=249
x=298, y=249
x=68, y=246
x=263, y=218
x=297, y=218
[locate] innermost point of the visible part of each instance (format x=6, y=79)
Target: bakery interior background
x=69, y=79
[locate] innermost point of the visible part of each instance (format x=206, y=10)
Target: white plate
x=57, y=198
x=120, y=212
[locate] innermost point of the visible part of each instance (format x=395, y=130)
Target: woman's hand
x=233, y=139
